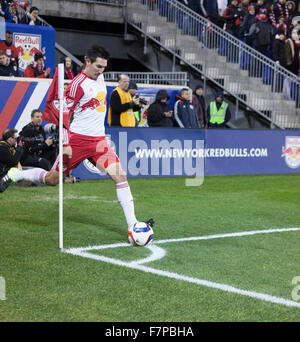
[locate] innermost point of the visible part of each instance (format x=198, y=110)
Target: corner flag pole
x=61, y=111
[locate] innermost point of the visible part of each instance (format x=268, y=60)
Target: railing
x=249, y=76
x=173, y=78
x=107, y=2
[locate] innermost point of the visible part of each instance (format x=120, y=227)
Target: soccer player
x=86, y=99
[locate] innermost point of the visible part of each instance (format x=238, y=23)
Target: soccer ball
x=140, y=234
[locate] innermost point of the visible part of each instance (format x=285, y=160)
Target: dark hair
x=33, y=8
x=35, y=111
x=96, y=51
x=9, y=133
x=8, y=32
x=2, y=53
x=38, y=56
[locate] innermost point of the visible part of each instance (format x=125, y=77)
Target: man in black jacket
x=41, y=151
x=159, y=112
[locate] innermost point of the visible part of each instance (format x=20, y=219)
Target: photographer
x=10, y=153
x=122, y=106
x=137, y=113
x=42, y=152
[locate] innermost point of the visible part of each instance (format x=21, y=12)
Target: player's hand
x=47, y=72
x=67, y=150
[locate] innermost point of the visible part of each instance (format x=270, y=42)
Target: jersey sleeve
x=73, y=95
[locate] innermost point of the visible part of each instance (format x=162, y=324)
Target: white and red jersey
x=86, y=100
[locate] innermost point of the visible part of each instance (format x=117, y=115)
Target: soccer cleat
x=11, y=172
x=71, y=179
x=5, y=182
x=150, y=222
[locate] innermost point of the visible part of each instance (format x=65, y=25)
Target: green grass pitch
x=44, y=284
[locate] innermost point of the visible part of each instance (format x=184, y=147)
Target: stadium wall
x=159, y=152
x=28, y=40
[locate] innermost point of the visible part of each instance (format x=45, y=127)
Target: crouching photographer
x=41, y=151
x=10, y=153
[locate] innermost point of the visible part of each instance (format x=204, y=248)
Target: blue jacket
x=8, y=17
x=185, y=114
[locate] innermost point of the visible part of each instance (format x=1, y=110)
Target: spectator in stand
x=293, y=26
x=271, y=14
x=37, y=68
x=3, y=5
x=70, y=70
x=7, y=67
x=292, y=56
x=31, y=18
x=11, y=14
x=209, y=10
x=293, y=10
x=233, y=17
x=247, y=23
x=281, y=10
x=244, y=7
x=9, y=47
x=281, y=26
x=259, y=5
x=218, y=112
x=198, y=101
x=261, y=31
x=159, y=112
x=184, y=112
x=279, y=53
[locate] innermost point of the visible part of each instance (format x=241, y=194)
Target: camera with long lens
x=142, y=101
x=52, y=129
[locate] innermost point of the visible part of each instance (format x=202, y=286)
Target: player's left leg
x=34, y=175
x=117, y=174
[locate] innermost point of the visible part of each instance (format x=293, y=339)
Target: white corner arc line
x=158, y=253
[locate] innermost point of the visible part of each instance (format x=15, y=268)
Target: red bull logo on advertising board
x=27, y=46
x=291, y=152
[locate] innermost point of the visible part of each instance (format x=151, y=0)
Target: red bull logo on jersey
x=291, y=152
x=98, y=103
x=27, y=46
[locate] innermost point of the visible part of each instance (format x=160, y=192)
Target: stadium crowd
x=269, y=26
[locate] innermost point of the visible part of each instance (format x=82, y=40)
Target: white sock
x=35, y=175
x=125, y=199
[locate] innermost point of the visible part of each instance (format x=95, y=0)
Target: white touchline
x=158, y=253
